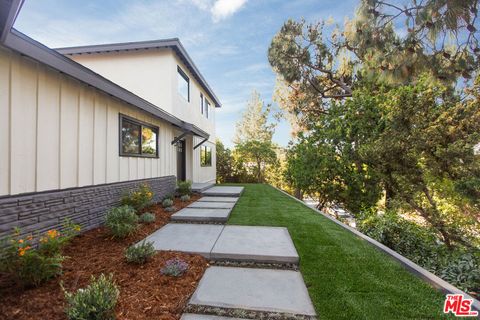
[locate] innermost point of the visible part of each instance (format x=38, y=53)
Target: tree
x=225, y=166
x=254, y=123
x=254, y=149
x=441, y=40
x=257, y=155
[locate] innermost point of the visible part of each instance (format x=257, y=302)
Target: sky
x=227, y=39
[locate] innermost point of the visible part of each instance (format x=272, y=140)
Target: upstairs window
x=205, y=156
x=207, y=108
x=183, y=84
x=137, y=139
x=201, y=103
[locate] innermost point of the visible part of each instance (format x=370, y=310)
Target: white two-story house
x=162, y=73
x=81, y=126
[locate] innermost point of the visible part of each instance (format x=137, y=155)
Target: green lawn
x=346, y=277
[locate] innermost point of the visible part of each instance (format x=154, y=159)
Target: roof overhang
x=9, y=10
x=26, y=46
x=173, y=44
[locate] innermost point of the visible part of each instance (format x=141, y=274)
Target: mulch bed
x=144, y=292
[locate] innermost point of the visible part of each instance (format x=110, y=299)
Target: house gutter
x=414, y=268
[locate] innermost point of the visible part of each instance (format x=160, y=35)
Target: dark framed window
x=207, y=108
x=201, y=103
x=137, y=139
x=205, y=156
x=183, y=84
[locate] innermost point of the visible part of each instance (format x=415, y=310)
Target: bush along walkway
x=253, y=272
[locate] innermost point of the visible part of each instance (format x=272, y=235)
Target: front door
x=181, y=160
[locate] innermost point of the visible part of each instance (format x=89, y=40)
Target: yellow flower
x=21, y=251
x=77, y=228
x=53, y=233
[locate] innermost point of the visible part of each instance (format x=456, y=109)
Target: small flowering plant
x=139, y=198
x=174, y=267
x=33, y=260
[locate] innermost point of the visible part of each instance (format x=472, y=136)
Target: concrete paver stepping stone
x=218, y=199
x=191, y=238
x=202, y=215
x=254, y=289
x=191, y=316
x=259, y=244
x=223, y=191
x=212, y=205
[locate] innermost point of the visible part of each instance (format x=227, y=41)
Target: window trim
x=211, y=156
x=186, y=78
x=201, y=102
x=142, y=125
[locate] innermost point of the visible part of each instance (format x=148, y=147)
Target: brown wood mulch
x=144, y=292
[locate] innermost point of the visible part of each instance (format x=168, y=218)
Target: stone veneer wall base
x=87, y=206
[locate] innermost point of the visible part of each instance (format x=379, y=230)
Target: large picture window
x=137, y=139
x=205, y=156
x=183, y=84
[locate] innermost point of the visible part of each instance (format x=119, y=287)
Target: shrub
x=139, y=198
x=95, y=302
x=147, y=217
x=53, y=241
x=140, y=253
x=185, y=198
x=33, y=266
x=168, y=196
x=462, y=270
x=167, y=203
x=121, y=221
x=458, y=266
x=174, y=267
x=184, y=188
x=170, y=209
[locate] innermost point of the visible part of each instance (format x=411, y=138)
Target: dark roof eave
x=173, y=43
x=21, y=43
x=9, y=10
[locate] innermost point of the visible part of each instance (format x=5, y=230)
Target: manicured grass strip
x=347, y=278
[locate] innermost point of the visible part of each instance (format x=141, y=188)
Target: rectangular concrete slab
x=202, y=215
x=191, y=316
x=218, y=199
x=254, y=289
x=212, y=205
x=191, y=238
x=259, y=244
x=223, y=191
x=201, y=186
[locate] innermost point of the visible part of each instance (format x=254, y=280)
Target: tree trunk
x=298, y=193
x=389, y=195
x=259, y=172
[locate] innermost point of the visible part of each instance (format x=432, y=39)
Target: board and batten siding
x=204, y=174
x=58, y=133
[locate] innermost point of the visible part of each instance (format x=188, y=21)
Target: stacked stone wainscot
x=87, y=206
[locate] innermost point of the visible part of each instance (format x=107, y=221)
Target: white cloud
x=225, y=8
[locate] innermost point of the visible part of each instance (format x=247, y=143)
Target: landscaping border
x=414, y=268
